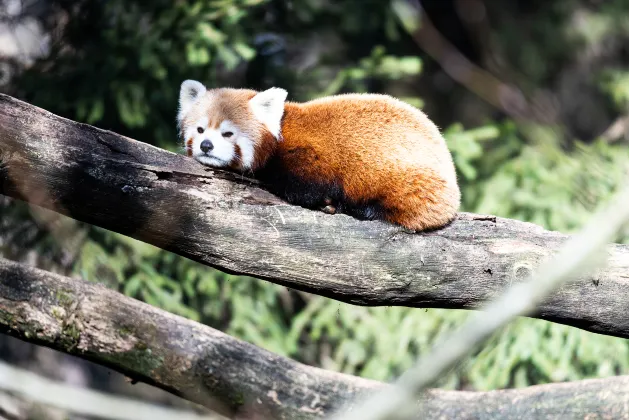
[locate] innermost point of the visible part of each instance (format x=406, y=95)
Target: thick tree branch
x=229, y=222
x=201, y=364
x=236, y=378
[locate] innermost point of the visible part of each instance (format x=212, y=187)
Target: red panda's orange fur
x=375, y=148
x=355, y=137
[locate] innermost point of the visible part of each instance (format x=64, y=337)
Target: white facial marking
x=189, y=93
x=238, y=138
x=268, y=108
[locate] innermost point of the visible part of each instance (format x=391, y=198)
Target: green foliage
x=380, y=343
x=615, y=83
x=533, y=351
x=124, y=74
x=127, y=72
x=378, y=65
x=467, y=147
x=573, y=185
x=544, y=184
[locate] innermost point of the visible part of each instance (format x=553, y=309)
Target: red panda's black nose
x=206, y=146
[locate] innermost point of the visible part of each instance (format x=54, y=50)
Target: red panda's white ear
x=268, y=108
x=190, y=91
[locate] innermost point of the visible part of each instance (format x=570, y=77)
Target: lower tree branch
x=587, y=399
x=229, y=222
x=235, y=378
x=203, y=365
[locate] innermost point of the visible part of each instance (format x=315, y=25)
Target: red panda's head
x=224, y=127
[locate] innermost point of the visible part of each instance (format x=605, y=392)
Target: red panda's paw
x=329, y=206
x=329, y=209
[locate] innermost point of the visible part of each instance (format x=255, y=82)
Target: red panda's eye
x=200, y=130
x=228, y=134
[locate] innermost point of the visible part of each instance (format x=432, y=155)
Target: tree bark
x=230, y=222
x=238, y=379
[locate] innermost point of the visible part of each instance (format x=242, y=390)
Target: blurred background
x=531, y=95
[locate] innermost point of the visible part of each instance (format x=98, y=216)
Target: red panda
x=370, y=156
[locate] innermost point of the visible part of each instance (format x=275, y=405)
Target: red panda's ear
x=190, y=91
x=268, y=108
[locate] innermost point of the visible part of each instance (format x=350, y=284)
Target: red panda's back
x=374, y=144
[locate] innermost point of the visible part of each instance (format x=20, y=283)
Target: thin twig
x=618, y=130
x=503, y=96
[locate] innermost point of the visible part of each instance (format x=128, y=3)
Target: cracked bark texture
x=238, y=379
x=232, y=223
